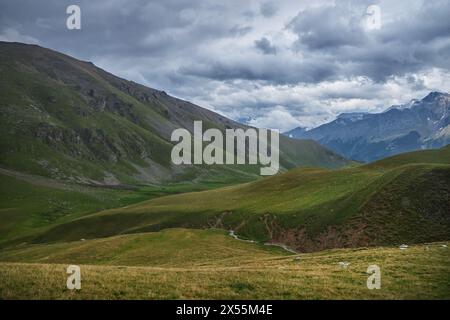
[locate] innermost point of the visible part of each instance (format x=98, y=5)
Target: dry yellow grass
x=420, y=272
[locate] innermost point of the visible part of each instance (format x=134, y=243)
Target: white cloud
x=309, y=105
x=277, y=118
x=12, y=35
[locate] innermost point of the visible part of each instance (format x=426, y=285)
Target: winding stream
x=233, y=234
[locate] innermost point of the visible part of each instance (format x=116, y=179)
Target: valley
x=86, y=178
x=174, y=246
x=308, y=209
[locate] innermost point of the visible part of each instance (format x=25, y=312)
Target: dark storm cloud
x=331, y=39
x=121, y=27
x=274, y=71
x=249, y=57
x=322, y=28
x=265, y=46
x=268, y=9
x=410, y=41
x=426, y=24
x=239, y=30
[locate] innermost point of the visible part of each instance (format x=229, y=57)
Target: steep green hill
x=67, y=119
x=389, y=202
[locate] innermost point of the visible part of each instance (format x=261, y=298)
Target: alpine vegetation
x=237, y=142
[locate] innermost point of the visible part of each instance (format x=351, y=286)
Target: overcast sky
x=275, y=64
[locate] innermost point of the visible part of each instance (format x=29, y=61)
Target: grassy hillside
x=31, y=204
x=424, y=156
x=308, y=209
x=67, y=119
x=194, y=264
x=170, y=247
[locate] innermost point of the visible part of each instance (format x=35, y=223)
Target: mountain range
x=420, y=124
x=69, y=120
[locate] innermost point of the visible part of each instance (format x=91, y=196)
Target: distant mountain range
x=68, y=119
x=420, y=124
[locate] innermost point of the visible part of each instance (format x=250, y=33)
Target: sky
x=273, y=64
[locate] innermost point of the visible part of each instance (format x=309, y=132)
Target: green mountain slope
x=398, y=200
x=67, y=119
